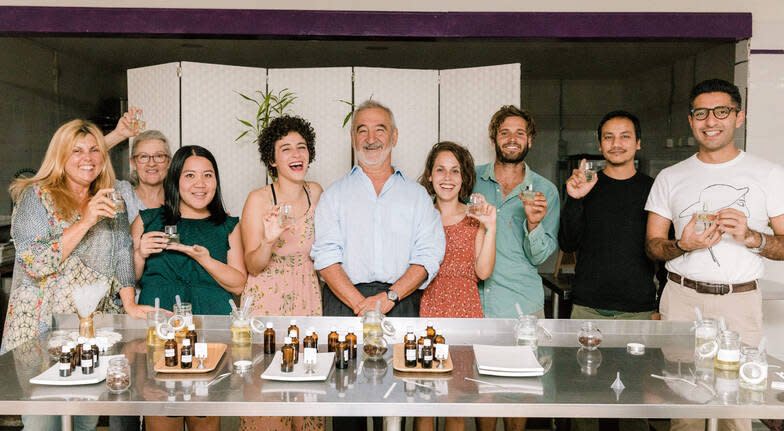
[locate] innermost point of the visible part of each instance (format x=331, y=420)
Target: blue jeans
x=53, y=423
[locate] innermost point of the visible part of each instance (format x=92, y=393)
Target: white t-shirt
x=747, y=183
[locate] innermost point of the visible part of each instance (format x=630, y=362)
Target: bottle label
x=727, y=355
x=310, y=354
x=411, y=355
x=345, y=355
x=419, y=351
x=187, y=358
x=428, y=358
x=87, y=363
x=65, y=366
x=169, y=353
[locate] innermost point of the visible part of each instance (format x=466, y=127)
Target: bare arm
x=410, y=281
x=734, y=222
x=774, y=249
x=123, y=130
x=338, y=282
x=145, y=244
x=258, y=247
x=659, y=247
x=231, y=275
x=485, y=243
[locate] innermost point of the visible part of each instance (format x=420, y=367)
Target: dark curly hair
x=279, y=128
x=507, y=111
x=464, y=159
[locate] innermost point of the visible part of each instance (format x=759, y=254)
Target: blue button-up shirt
x=377, y=237
x=515, y=278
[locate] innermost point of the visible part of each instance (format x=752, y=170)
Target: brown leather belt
x=713, y=288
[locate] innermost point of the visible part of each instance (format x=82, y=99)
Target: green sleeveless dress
x=171, y=273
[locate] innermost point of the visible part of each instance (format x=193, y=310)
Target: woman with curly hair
x=281, y=279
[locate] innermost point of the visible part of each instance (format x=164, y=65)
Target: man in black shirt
x=604, y=221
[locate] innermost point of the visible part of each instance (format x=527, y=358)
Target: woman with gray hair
x=150, y=156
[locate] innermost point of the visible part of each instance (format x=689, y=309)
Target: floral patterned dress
x=288, y=286
x=454, y=292
x=43, y=281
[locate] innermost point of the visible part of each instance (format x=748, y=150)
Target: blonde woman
x=66, y=235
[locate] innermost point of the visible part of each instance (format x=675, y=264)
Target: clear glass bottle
x=526, y=331
x=728, y=355
x=118, y=375
x=185, y=311
x=753, y=369
x=240, y=329
x=705, y=343
x=375, y=345
x=589, y=336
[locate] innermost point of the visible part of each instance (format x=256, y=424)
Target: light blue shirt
x=515, y=278
x=377, y=237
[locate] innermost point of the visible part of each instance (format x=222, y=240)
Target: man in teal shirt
x=527, y=229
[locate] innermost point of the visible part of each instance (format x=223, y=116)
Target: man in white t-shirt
x=716, y=269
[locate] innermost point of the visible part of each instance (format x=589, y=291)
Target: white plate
x=320, y=373
x=52, y=375
x=514, y=361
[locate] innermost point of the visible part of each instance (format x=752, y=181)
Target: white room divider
x=210, y=108
x=412, y=95
x=156, y=89
x=469, y=97
x=319, y=91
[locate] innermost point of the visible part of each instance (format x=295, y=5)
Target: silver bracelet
x=763, y=242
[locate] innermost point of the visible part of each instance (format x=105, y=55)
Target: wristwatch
x=393, y=296
x=763, y=242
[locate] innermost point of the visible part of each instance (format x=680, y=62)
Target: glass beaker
x=753, y=369
x=728, y=354
x=705, y=343
x=118, y=375
x=155, y=318
x=183, y=316
x=374, y=345
x=526, y=331
x=240, y=329
x=374, y=320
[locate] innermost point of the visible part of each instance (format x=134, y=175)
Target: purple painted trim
x=766, y=51
x=299, y=23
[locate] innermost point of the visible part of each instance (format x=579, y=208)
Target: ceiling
x=540, y=59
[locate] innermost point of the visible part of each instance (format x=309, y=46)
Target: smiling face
x=291, y=157
x=512, y=141
x=373, y=137
x=197, y=186
x=619, y=144
x=446, y=177
x=85, y=162
x=151, y=173
x=712, y=134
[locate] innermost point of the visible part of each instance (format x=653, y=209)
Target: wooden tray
x=399, y=363
x=215, y=352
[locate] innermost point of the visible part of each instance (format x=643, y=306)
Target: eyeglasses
x=720, y=112
x=144, y=158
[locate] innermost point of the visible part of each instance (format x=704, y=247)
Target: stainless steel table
x=565, y=390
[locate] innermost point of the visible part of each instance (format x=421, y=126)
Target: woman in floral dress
x=281, y=280
x=66, y=235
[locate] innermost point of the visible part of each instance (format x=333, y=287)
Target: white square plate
x=320, y=373
x=52, y=375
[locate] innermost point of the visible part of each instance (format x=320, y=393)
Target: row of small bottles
x=182, y=357
x=84, y=354
x=421, y=351
x=344, y=346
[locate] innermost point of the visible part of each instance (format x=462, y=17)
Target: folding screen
x=210, y=108
x=319, y=91
x=412, y=95
x=156, y=89
x=469, y=97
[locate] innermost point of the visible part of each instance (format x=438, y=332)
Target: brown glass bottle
x=314, y=335
x=439, y=339
x=192, y=335
x=287, y=356
x=420, y=344
x=186, y=354
x=351, y=340
x=72, y=348
x=269, y=340
x=96, y=353
x=293, y=327
x=78, y=355
x=427, y=354
x=332, y=340
x=309, y=347
x=87, y=359
x=170, y=351
x=295, y=344
x=430, y=332
x=410, y=350
x=65, y=362
x=342, y=353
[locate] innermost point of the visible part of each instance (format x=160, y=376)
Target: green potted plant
x=270, y=105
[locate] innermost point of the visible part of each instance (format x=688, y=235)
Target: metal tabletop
x=564, y=391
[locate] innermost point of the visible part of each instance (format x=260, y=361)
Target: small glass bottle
x=72, y=348
x=342, y=353
x=351, y=339
x=295, y=344
x=315, y=335
x=753, y=369
x=410, y=349
x=293, y=327
x=705, y=344
x=78, y=351
x=430, y=331
x=240, y=330
x=269, y=340
x=96, y=353
x=65, y=362
x=420, y=344
x=191, y=334
x=589, y=336
x=439, y=339
x=728, y=356
x=287, y=356
x=87, y=359
x=186, y=354
x=332, y=340
x=118, y=375
x=309, y=348
x=170, y=351
x=427, y=354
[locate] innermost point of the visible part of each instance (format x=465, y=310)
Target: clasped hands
x=728, y=221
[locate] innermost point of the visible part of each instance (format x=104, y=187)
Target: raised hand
x=99, y=206
x=486, y=215
x=535, y=210
x=272, y=227
x=691, y=240
x=577, y=186
x=152, y=243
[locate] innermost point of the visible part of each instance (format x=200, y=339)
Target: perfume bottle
x=342, y=353
x=65, y=362
x=332, y=340
x=351, y=339
x=269, y=340
x=287, y=356
x=427, y=354
x=186, y=355
x=410, y=349
x=87, y=359
x=170, y=351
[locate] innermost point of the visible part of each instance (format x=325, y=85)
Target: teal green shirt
x=515, y=278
